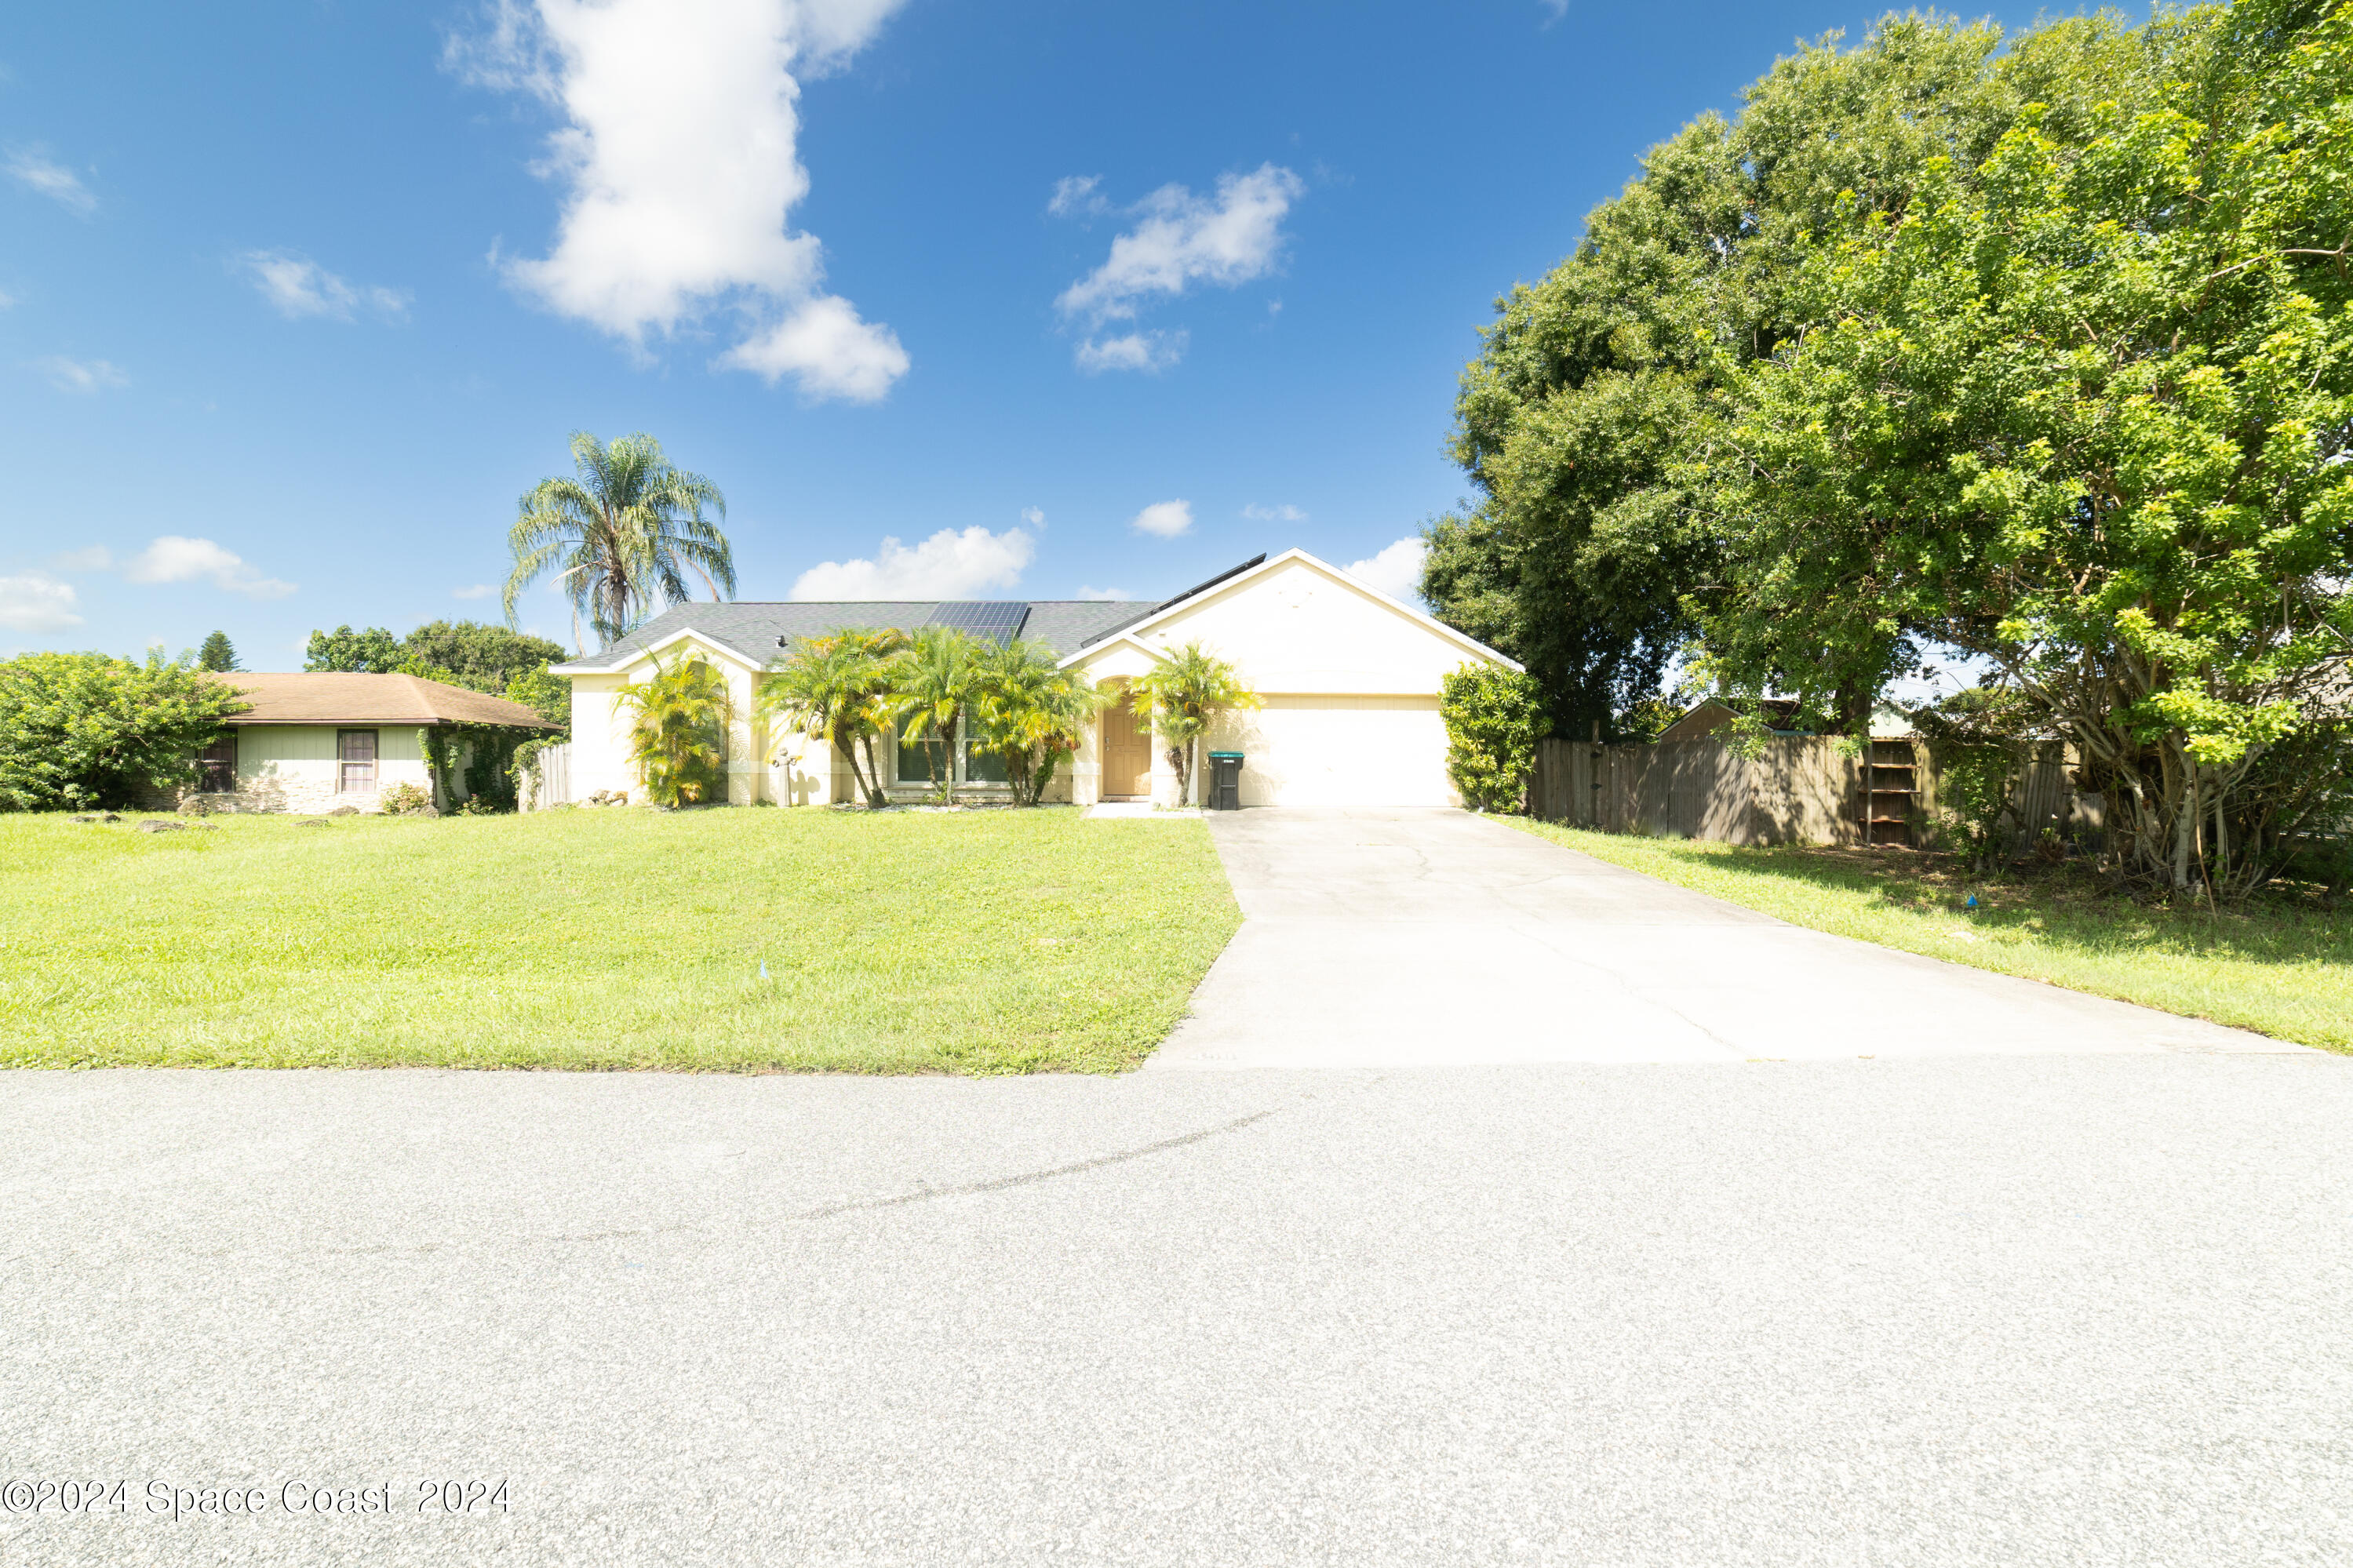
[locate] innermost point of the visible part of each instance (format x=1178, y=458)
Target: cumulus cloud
x=1182, y=238
x=34, y=170
x=1033, y=517
x=36, y=602
x=1106, y=595
x=830, y=351
x=1396, y=571
x=1148, y=352
x=84, y=376
x=1165, y=519
x=947, y=565
x=679, y=160
x=1285, y=513
x=299, y=286
x=479, y=591
x=172, y=558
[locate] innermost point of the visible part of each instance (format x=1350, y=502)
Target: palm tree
x=840, y=688
x=1185, y=692
x=1031, y=711
x=621, y=537
x=678, y=730
x=934, y=681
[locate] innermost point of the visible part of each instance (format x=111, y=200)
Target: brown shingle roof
x=336, y=698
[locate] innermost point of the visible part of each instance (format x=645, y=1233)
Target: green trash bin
x=1224, y=781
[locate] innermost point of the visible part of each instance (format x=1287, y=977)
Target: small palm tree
x=621, y=537
x=678, y=730
x=841, y=688
x=934, y=681
x=1185, y=692
x=1030, y=712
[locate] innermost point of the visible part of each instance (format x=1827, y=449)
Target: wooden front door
x=1126, y=751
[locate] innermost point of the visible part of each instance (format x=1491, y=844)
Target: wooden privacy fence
x=1801, y=789
x=549, y=781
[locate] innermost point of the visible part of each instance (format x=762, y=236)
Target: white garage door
x=1346, y=751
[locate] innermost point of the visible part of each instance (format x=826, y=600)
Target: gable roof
x=751, y=630
x=330, y=698
x=1132, y=630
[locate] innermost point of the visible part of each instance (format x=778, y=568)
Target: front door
x=1126, y=751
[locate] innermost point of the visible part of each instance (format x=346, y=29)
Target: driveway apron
x=1390, y=937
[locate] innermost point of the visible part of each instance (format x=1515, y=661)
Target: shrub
x=678, y=731
x=1493, y=720
x=405, y=800
x=81, y=730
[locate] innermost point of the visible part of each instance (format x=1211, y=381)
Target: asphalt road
x=1391, y=937
x=2003, y=1309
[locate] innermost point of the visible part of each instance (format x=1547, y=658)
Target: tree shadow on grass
x=2067, y=901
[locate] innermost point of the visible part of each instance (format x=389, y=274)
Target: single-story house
x=311, y=743
x=1348, y=677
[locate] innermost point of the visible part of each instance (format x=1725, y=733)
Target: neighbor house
x=1348, y=677
x=313, y=742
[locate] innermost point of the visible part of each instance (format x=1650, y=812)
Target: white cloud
x=1558, y=9
x=1285, y=513
x=172, y=558
x=832, y=352
x=36, y=602
x=1229, y=239
x=947, y=565
x=1033, y=517
x=83, y=376
x=88, y=558
x=1107, y=595
x=680, y=162
x=1149, y=352
x=300, y=286
x=479, y=591
x=1165, y=519
x=33, y=171
x=1078, y=193
x=7, y=301
x=1396, y=571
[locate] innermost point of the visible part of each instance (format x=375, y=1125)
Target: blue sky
x=1011, y=299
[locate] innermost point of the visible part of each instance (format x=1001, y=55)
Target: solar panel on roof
x=992, y=620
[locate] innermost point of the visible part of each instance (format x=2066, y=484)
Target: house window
x=217, y=763
x=980, y=764
x=356, y=761
x=960, y=758
x=920, y=754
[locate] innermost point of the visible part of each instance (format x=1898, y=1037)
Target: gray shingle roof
x=752, y=629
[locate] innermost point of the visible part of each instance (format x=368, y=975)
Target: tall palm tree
x=1030, y=712
x=934, y=681
x=840, y=688
x=621, y=537
x=1185, y=692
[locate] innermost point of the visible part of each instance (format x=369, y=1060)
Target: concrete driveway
x=1391, y=937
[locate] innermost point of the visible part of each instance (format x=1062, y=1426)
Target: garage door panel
x=1342, y=751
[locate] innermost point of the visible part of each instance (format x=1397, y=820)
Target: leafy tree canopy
x=375, y=651
x=2082, y=408
x=480, y=657
x=1575, y=422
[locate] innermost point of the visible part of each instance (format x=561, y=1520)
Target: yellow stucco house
x=1348, y=676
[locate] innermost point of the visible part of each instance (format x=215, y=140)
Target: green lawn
x=2281, y=967
x=969, y=942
